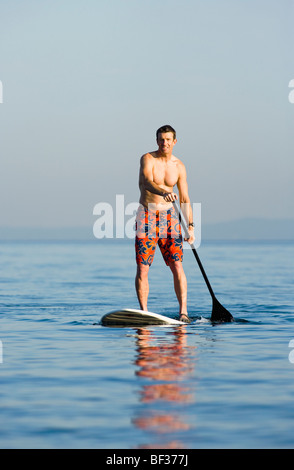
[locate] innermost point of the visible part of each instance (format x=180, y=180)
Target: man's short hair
x=164, y=129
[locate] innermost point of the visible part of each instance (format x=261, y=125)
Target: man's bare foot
x=184, y=317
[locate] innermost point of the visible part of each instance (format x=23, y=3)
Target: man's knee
x=176, y=267
x=142, y=270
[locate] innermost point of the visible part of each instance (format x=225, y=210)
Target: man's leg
x=180, y=285
x=142, y=285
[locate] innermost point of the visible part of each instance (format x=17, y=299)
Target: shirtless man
x=160, y=171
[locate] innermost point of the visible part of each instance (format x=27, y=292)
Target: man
x=156, y=221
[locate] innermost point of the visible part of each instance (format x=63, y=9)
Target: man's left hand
x=191, y=238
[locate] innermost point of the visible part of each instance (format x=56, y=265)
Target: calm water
x=67, y=382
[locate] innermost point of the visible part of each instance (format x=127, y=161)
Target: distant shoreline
x=249, y=229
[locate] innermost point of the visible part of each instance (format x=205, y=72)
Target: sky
x=86, y=83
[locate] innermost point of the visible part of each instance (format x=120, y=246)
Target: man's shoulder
x=178, y=162
x=147, y=157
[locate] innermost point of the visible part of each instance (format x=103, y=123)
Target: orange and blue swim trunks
x=160, y=228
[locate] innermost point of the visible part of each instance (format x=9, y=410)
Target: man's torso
x=165, y=174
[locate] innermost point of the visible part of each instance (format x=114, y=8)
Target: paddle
x=219, y=313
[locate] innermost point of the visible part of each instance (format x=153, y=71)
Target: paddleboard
x=133, y=317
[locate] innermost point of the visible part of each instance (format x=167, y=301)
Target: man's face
x=166, y=142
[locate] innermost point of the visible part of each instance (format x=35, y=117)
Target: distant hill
x=250, y=229
x=243, y=229
x=40, y=233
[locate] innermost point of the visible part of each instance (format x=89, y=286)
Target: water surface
x=68, y=382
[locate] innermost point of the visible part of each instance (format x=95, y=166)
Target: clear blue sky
x=87, y=83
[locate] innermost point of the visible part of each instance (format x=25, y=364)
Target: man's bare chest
x=166, y=174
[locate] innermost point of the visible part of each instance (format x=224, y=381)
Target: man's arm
x=185, y=200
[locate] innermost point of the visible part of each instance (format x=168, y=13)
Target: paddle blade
x=220, y=313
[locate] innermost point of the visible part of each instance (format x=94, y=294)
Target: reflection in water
x=168, y=362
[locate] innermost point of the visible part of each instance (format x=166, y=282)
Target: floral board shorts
x=158, y=227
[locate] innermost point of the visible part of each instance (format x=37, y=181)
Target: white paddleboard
x=133, y=317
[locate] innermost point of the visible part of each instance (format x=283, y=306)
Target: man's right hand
x=170, y=197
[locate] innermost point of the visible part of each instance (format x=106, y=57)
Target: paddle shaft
x=180, y=215
x=219, y=313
